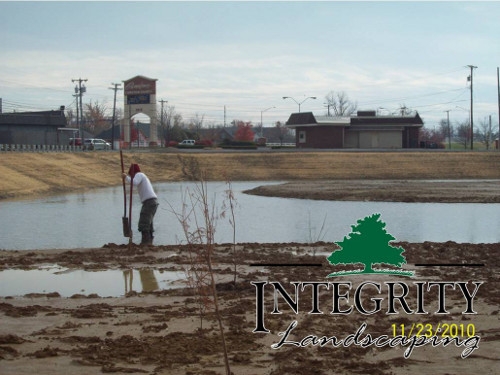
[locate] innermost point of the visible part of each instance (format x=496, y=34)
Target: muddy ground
x=161, y=332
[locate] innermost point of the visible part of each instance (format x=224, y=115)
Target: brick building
x=366, y=130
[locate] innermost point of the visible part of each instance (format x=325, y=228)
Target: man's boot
x=146, y=238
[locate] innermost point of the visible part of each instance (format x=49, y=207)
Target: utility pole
x=115, y=88
x=328, y=106
x=161, y=117
x=78, y=118
x=449, y=129
x=472, y=67
x=79, y=90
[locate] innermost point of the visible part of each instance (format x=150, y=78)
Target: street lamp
x=449, y=131
x=261, y=123
x=309, y=97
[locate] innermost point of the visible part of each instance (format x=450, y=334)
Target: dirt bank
x=35, y=174
x=442, y=191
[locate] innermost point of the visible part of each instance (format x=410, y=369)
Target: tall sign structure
x=140, y=97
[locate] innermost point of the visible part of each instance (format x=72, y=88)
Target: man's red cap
x=134, y=168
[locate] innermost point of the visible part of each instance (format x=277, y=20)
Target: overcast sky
x=248, y=55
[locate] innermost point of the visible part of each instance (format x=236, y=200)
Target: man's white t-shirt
x=145, y=188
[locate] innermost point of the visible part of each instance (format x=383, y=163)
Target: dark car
x=75, y=141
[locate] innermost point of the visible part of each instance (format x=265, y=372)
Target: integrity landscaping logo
x=369, y=244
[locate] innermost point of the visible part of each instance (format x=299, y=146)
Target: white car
x=96, y=144
x=187, y=142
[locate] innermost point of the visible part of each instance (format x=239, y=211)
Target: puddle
x=67, y=282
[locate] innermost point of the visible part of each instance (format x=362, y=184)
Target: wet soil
x=162, y=332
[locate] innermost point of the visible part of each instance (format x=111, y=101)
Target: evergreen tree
x=368, y=243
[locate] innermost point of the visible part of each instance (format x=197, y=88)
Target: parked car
x=75, y=141
x=204, y=142
x=172, y=144
x=187, y=142
x=96, y=144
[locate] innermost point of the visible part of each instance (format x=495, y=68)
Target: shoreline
x=34, y=175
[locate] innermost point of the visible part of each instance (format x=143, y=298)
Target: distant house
x=366, y=130
x=217, y=135
x=34, y=128
x=275, y=135
x=270, y=134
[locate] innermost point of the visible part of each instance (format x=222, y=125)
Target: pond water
x=94, y=218
x=108, y=283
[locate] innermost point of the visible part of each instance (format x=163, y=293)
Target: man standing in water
x=149, y=201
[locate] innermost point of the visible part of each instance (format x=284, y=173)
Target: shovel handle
x=130, y=211
x=124, y=188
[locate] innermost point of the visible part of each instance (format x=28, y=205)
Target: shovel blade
x=126, y=227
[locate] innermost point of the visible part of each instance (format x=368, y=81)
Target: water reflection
x=94, y=218
x=148, y=280
x=68, y=282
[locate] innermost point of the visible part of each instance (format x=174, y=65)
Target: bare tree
x=282, y=131
x=171, y=119
x=196, y=123
x=198, y=219
x=95, y=117
x=432, y=135
x=485, y=133
x=71, y=117
x=340, y=104
x=463, y=133
x=445, y=129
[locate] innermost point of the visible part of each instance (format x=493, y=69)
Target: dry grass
x=34, y=174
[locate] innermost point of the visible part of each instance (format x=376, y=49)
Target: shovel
x=125, y=222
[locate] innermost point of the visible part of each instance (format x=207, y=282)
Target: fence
x=40, y=148
x=277, y=144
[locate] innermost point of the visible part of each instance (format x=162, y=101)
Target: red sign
x=140, y=85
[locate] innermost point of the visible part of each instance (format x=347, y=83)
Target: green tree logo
x=368, y=243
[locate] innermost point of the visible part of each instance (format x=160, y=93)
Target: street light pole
x=289, y=97
x=261, y=123
x=449, y=133
x=115, y=88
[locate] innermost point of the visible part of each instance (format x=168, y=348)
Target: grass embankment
x=37, y=174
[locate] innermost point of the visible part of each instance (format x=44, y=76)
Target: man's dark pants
x=148, y=212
